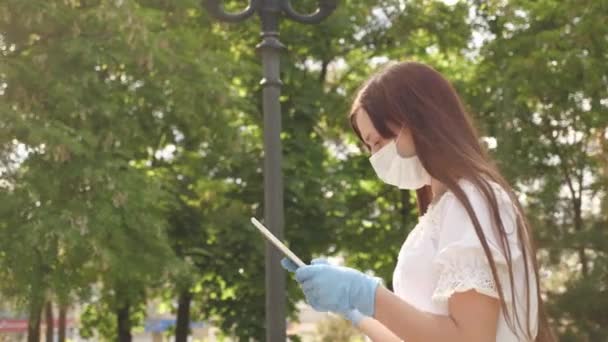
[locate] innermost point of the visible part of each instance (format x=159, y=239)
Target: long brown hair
x=417, y=96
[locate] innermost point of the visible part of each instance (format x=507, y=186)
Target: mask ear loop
x=399, y=134
x=397, y=144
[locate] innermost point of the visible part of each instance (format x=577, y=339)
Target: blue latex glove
x=338, y=289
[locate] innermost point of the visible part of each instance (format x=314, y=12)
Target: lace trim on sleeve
x=461, y=277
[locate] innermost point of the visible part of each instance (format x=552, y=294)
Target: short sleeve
x=460, y=261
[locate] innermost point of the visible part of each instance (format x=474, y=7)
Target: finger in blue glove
x=319, y=261
x=289, y=265
x=354, y=316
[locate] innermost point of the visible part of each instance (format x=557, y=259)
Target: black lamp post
x=270, y=12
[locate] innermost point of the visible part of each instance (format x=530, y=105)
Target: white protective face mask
x=402, y=172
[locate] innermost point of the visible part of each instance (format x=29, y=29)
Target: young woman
x=467, y=271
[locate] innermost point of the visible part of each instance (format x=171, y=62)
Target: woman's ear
x=405, y=143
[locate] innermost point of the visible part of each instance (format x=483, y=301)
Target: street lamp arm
x=217, y=10
x=326, y=7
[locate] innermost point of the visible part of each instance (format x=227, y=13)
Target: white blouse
x=443, y=255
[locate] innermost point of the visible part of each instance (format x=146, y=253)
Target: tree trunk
x=182, y=326
x=578, y=226
x=33, y=325
x=406, y=206
x=49, y=322
x=124, y=323
x=63, y=309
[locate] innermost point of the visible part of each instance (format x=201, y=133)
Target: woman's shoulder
x=457, y=228
x=476, y=195
x=471, y=188
x=452, y=210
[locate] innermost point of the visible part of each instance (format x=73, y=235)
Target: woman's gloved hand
x=333, y=288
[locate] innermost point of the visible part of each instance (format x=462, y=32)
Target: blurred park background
x=131, y=155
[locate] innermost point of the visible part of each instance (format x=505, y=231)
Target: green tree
x=541, y=92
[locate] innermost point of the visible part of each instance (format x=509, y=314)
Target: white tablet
x=270, y=237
